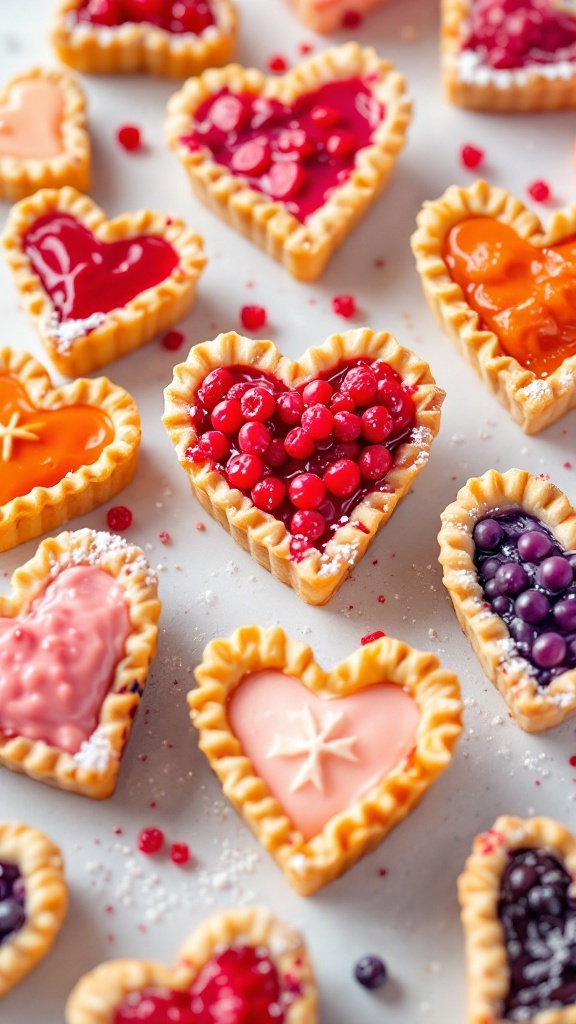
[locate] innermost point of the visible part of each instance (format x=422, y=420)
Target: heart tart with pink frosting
x=76, y=639
x=293, y=162
x=174, y=38
x=44, y=141
x=330, y=15
x=97, y=289
x=303, y=462
x=322, y=765
x=33, y=900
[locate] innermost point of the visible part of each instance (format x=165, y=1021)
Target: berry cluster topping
x=508, y=34
x=529, y=580
x=296, y=154
x=537, y=910
x=307, y=456
x=177, y=16
x=12, y=899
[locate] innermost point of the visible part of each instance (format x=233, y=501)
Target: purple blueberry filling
x=529, y=580
x=538, y=914
x=12, y=898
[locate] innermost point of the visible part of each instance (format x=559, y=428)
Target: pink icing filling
x=31, y=125
x=514, y=33
x=57, y=659
x=379, y=722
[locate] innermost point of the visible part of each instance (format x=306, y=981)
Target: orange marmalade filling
x=39, y=447
x=525, y=295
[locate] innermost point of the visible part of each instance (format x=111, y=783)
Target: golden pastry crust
x=326, y=16
x=46, y=508
x=20, y=177
x=98, y=994
x=121, y=330
x=142, y=47
x=94, y=769
x=478, y=892
x=345, y=838
x=533, y=709
x=304, y=249
x=531, y=88
x=533, y=402
x=40, y=864
x=318, y=575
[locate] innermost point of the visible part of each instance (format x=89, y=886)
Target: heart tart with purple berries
x=508, y=551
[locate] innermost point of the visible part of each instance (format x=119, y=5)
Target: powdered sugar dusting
x=66, y=332
x=95, y=753
x=330, y=564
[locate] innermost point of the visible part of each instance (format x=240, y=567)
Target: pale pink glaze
x=31, y=126
x=383, y=718
x=57, y=660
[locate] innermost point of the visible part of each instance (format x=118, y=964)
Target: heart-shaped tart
x=519, y=917
x=33, y=900
x=293, y=162
x=44, y=141
x=63, y=451
x=76, y=639
x=322, y=765
x=330, y=15
x=239, y=967
x=502, y=288
x=506, y=56
x=508, y=550
x=98, y=289
x=303, y=462
x=175, y=38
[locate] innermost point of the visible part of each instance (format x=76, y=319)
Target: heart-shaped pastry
x=509, y=57
x=508, y=550
x=98, y=289
x=175, y=38
x=293, y=162
x=84, y=608
x=239, y=966
x=519, y=918
x=44, y=141
x=322, y=765
x=63, y=451
x=330, y=15
x=303, y=462
x=502, y=288
x=33, y=900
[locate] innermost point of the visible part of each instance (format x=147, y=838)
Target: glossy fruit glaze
x=538, y=914
x=297, y=154
x=83, y=275
x=175, y=16
x=307, y=456
x=12, y=900
x=510, y=34
x=529, y=580
x=524, y=294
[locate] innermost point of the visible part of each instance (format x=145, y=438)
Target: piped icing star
x=315, y=743
x=10, y=432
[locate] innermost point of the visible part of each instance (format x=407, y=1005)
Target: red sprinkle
x=165, y=537
x=471, y=157
x=173, y=340
x=539, y=191
x=199, y=526
x=344, y=306
x=129, y=137
x=150, y=840
x=305, y=48
x=573, y=760
x=253, y=317
x=351, y=19
x=370, y=637
x=119, y=518
x=180, y=853
x=277, y=64
x=566, y=465
x=381, y=598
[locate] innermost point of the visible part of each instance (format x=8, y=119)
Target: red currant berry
x=180, y=853
x=150, y=840
x=268, y=494
x=539, y=191
x=119, y=518
x=290, y=406
x=258, y=404
x=377, y=423
x=253, y=317
x=342, y=403
x=129, y=137
x=307, y=524
x=277, y=64
x=214, y=445
x=252, y=157
x=275, y=454
x=254, y=438
x=299, y=444
x=360, y=383
x=307, y=491
x=244, y=471
x=341, y=144
x=227, y=416
x=317, y=392
x=471, y=157
x=173, y=340
x=374, y=462
x=347, y=426
x=318, y=421
x=342, y=478
x=325, y=117
x=344, y=306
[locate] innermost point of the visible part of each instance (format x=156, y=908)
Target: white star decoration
x=315, y=742
x=10, y=432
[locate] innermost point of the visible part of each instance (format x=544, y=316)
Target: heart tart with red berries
x=303, y=462
x=293, y=162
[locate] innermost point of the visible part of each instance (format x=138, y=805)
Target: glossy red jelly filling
x=177, y=16
x=12, y=899
x=297, y=154
x=307, y=456
x=83, y=276
x=241, y=986
x=513, y=33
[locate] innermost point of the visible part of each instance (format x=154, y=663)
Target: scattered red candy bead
x=164, y=537
x=539, y=191
x=253, y=318
x=119, y=518
x=573, y=760
x=370, y=637
x=277, y=64
x=129, y=137
x=150, y=840
x=351, y=19
x=173, y=340
x=344, y=306
x=471, y=157
x=180, y=853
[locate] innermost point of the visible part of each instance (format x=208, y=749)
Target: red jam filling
x=176, y=16
x=508, y=34
x=307, y=456
x=241, y=986
x=296, y=154
x=84, y=276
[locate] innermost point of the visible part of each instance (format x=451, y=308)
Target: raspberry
x=244, y=471
x=344, y=306
x=119, y=518
x=268, y=493
x=317, y=392
x=299, y=444
x=258, y=404
x=129, y=137
x=342, y=477
x=307, y=491
x=471, y=157
x=173, y=340
x=277, y=64
x=539, y=191
x=253, y=317
x=150, y=840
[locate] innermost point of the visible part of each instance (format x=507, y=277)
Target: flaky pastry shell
x=19, y=176
x=98, y=994
x=532, y=401
x=304, y=249
x=123, y=329
x=534, y=709
x=46, y=902
x=318, y=575
x=94, y=769
x=329, y=15
x=349, y=835
x=478, y=891
x=45, y=508
x=143, y=47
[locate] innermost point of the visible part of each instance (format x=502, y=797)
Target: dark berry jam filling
x=176, y=16
x=529, y=580
x=307, y=456
x=538, y=913
x=297, y=154
x=508, y=34
x=12, y=899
